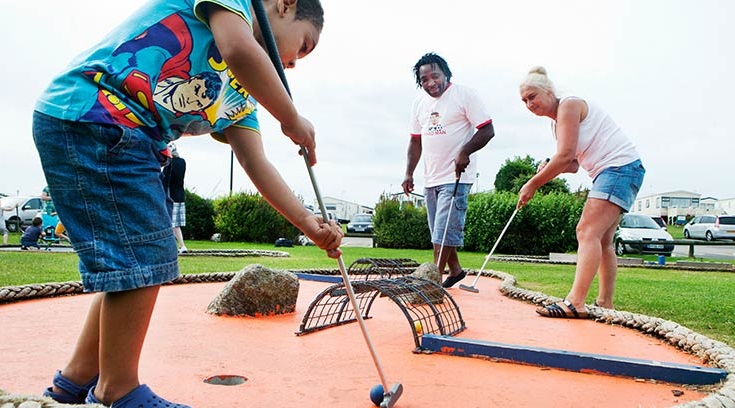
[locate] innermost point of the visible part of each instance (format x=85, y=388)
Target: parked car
x=361, y=223
x=639, y=227
x=330, y=215
x=20, y=211
x=711, y=227
x=284, y=242
x=660, y=221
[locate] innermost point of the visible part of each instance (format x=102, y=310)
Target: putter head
x=392, y=396
x=469, y=288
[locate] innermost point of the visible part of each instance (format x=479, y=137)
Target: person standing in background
x=3, y=228
x=173, y=182
x=48, y=204
x=449, y=124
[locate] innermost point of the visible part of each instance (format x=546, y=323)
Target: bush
x=400, y=225
x=199, y=217
x=247, y=217
x=547, y=224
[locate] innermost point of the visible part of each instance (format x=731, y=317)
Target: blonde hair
x=538, y=78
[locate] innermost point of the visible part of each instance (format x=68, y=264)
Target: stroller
x=49, y=229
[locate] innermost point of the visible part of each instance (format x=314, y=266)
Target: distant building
x=679, y=206
x=344, y=210
x=417, y=200
x=726, y=206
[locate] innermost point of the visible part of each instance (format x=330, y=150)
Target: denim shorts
x=105, y=181
x=438, y=199
x=619, y=185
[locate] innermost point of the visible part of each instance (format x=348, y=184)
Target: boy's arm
x=248, y=147
x=250, y=64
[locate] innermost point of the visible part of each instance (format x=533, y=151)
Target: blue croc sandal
x=73, y=393
x=141, y=397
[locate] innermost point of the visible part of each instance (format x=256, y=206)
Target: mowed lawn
x=701, y=301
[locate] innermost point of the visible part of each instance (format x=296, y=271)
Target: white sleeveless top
x=601, y=143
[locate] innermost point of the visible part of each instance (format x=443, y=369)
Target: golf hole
x=225, y=380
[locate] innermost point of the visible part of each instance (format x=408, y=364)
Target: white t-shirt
x=445, y=124
x=601, y=142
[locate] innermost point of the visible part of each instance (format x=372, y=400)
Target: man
x=449, y=124
x=173, y=181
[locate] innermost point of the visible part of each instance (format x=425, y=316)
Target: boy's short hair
x=37, y=221
x=311, y=11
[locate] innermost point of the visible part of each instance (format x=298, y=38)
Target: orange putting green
x=209, y=361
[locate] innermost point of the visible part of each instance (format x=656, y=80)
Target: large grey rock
x=435, y=295
x=257, y=291
x=428, y=270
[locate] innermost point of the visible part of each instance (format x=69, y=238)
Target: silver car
x=711, y=227
x=638, y=227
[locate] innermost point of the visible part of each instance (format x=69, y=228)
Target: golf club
x=390, y=396
x=446, y=226
x=472, y=287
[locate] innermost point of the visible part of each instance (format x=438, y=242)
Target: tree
x=513, y=174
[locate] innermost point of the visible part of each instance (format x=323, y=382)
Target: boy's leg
x=84, y=363
x=124, y=319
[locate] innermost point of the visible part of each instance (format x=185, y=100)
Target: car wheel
x=619, y=248
x=12, y=224
x=668, y=254
x=708, y=236
x=686, y=234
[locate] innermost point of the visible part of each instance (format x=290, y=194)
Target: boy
x=32, y=234
x=174, y=68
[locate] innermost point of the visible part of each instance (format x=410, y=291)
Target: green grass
x=701, y=301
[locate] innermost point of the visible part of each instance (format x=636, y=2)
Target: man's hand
x=407, y=185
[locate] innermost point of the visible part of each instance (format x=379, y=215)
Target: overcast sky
x=662, y=68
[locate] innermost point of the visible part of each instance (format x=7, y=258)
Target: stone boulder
x=257, y=291
x=428, y=271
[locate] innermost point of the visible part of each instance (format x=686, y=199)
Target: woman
x=585, y=136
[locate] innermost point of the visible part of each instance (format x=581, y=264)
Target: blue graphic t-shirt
x=159, y=71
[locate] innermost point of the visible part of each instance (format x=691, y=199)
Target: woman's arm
x=569, y=115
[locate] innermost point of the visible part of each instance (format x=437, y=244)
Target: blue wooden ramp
x=574, y=361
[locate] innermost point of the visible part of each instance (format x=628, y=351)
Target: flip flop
x=140, y=397
x=73, y=393
x=558, y=311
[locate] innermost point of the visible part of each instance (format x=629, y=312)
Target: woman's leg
x=599, y=217
x=608, y=270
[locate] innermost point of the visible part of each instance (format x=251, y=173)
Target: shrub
x=547, y=224
x=400, y=225
x=247, y=217
x=199, y=217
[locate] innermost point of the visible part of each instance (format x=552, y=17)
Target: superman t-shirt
x=159, y=71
